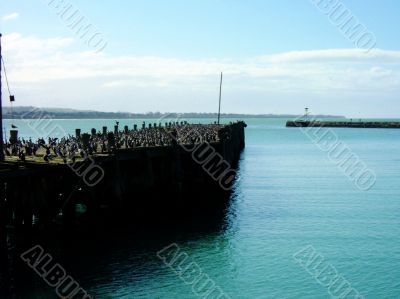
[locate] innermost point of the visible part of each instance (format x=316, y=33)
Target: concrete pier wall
x=344, y=124
x=150, y=185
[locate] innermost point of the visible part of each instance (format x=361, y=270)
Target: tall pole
x=220, y=96
x=1, y=113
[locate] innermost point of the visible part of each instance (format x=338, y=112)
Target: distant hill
x=61, y=113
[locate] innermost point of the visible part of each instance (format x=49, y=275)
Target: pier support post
x=13, y=136
x=78, y=133
x=110, y=141
x=85, y=141
x=3, y=220
x=68, y=213
x=5, y=282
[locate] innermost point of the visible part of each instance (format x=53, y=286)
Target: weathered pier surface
x=145, y=186
x=344, y=124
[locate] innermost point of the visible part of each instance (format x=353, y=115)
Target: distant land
x=28, y=112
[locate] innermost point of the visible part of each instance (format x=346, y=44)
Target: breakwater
x=344, y=124
x=150, y=185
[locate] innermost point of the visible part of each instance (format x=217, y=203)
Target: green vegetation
x=22, y=112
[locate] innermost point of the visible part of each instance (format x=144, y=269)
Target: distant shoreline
x=56, y=113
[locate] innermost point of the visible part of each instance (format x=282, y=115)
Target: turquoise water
x=288, y=195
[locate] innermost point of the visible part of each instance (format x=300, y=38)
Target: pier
x=344, y=124
x=144, y=185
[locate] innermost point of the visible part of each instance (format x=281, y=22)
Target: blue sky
x=277, y=56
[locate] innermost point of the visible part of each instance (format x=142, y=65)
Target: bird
x=22, y=156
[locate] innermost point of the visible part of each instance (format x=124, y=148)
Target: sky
x=140, y=56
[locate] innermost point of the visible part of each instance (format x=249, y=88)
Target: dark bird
x=22, y=156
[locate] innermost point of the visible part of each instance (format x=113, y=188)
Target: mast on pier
x=220, y=95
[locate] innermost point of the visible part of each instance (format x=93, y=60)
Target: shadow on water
x=109, y=255
x=114, y=247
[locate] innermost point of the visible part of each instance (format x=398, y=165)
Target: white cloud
x=11, y=16
x=334, y=55
x=43, y=63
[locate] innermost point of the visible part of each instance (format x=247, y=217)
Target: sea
x=297, y=225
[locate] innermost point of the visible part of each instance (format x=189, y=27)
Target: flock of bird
x=68, y=148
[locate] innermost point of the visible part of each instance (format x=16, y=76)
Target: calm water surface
x=288, y=195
